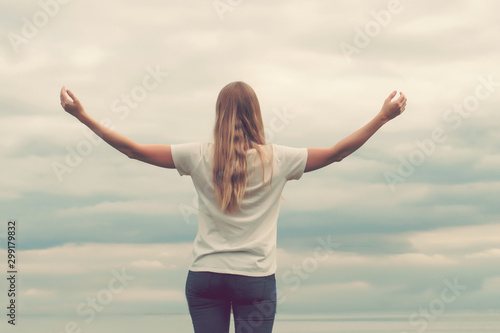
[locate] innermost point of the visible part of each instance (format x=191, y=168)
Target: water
x=463, y=323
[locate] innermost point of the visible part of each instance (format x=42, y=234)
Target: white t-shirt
x=243, y=242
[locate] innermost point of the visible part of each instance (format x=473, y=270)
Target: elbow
x=337, y=158
x=336, y=154
x=341, y=155
x=130, y=153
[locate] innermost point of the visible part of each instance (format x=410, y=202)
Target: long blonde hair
x=238, y=127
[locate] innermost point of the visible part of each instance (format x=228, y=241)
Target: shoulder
x=287, y=150
x=189, y=150
x=291, y=160
x=188, y=146
x=188, y=156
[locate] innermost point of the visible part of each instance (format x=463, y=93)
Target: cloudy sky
x=412, y=212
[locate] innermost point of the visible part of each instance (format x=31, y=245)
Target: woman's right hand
x=391, y=109
x=73, y=106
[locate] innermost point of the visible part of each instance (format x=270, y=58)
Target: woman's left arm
x=159, y=155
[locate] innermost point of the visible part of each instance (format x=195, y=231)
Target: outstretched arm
x=321, y=157
x=159, y=155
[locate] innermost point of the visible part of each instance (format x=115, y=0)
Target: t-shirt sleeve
x=292, y=161
x=186, y=157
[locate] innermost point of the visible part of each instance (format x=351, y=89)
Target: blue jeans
x=210, y=297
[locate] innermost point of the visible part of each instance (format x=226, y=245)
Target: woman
x=239, y=179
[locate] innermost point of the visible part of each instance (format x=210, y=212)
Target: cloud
x=110, y=212
x=37, y=293
x=124, y=207
x=151, y=295
x=148, y=264
x=75, y=259
x=457, y=239
x=492, y=284
x=89, y=55
x=158, y=271
x=490, y=253
x=488, y=162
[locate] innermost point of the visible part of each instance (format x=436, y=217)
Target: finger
x=391, y=96
x=63, y=91
x=73, y=97
x=64, y=97
x=401, y=97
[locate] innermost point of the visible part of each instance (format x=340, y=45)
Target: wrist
x=81, y=116
x=380, y=118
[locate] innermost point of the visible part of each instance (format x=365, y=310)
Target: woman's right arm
x=155, y=154
x=320, y=157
